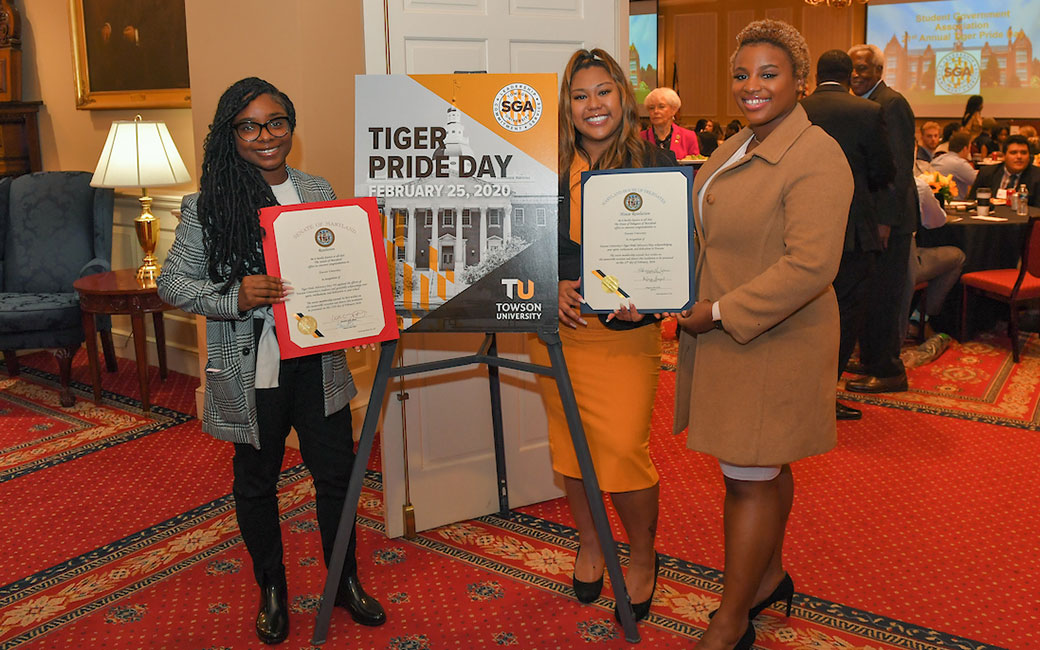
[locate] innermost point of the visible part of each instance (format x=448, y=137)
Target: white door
x=447, y=416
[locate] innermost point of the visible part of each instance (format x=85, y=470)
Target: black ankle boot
x=272, y=621
x=363, y=608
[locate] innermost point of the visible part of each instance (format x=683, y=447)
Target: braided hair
x=232, y=191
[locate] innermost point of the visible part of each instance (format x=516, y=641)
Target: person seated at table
x=706, y=138
x=983, y=144
x=1017, y=170
x=1000, y=134
x=955, y=162
x=1029, y=133
x=661, y=105
x=947, y=133
x=939, y=266
x=931, y=133
x=733, y=128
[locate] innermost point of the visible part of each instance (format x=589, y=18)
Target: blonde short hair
x=667, y=95
x=877, y=57
x=930, y=125
x=781, y=35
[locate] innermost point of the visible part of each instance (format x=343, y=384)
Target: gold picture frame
x=117, y=54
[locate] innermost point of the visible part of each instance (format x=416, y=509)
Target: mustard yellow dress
x=614, y=374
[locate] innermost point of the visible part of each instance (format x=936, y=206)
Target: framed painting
x=130, y=54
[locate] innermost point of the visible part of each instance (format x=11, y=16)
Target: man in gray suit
x=897, y=216
x=859, y=128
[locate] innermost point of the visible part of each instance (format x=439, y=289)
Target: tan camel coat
x=771, y=234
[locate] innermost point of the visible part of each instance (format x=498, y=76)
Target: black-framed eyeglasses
x=278, y=127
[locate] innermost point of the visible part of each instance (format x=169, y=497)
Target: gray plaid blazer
x=230, y=403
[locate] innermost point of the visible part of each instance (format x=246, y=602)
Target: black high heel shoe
x=748, y=639
x=642, y=609
x=783, y=591
x=586, y=592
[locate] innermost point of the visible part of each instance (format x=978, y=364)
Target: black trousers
x=327, y=448
x=852, y=289
x=880, y=342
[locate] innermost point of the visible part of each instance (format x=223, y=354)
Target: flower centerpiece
x=942, y=186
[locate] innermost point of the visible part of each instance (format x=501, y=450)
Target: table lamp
x=141, y=153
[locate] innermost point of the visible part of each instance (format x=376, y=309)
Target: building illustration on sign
x=1006, y=64
x=445, y=233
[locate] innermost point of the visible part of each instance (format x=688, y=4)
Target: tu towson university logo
x=518, y=304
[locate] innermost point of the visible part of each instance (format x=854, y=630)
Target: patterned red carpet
x=977, y=380
x=127, y=539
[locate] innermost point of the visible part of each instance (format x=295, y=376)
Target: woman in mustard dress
x=613, y=360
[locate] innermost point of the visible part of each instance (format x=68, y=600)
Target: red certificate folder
x=318, y=323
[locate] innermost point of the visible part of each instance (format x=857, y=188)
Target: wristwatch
x=718, y=325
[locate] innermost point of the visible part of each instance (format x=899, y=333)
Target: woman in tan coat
x=770, y=212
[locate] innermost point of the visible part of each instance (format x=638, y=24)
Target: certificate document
x=637, y=239
x=331, y=254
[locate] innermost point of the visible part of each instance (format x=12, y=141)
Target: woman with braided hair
x=215, y=268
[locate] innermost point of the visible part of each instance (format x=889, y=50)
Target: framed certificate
x=637, y=239
x=331, y=254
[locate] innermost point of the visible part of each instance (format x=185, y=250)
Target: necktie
x=1012, y=182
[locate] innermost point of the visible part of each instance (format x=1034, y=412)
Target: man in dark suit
x=858, y=127
x=897, y=217
x=1018, y=169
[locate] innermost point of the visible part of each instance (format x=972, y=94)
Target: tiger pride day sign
x=463, y=169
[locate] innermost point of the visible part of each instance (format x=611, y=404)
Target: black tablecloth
x=986, y=245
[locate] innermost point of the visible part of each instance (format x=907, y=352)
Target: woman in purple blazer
x=662, y=104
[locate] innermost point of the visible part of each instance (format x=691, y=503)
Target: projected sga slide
x=938, y=53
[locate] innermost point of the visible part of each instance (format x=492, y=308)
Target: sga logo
x=523, y=292
x=958, y=73
x=517, y=107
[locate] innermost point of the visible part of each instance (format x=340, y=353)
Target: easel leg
x=496, y=426
x=357, y=475
x=592, y=491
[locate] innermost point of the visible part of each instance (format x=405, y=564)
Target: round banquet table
x=986, y=245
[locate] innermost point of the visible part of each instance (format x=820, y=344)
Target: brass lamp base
x=147, y=227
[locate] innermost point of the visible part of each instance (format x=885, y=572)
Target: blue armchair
x=54, y=229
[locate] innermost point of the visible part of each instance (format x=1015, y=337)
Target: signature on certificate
x=347, y=321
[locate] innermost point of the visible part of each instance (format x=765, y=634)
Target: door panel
x=447, y=417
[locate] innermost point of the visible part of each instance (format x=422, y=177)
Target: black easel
x=488, y=355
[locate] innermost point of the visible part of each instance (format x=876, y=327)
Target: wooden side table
x=120, y=292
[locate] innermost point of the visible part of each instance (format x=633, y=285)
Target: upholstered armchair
x=54, y=229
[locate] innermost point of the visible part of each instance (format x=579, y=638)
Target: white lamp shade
x=139, y=153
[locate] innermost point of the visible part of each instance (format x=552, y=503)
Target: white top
x=268, y=359
x=285, y=193
x=726, y=165
x=741, y=151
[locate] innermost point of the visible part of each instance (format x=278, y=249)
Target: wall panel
x=697, y=40
x=696, y=45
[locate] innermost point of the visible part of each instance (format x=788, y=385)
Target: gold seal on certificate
x=307, y=325
x=636, y=239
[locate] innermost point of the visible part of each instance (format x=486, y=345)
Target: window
x=518, y=216
x=467, y=217
x=494, y=217
x=539, y=216
x=427, y=217
x=448, y=218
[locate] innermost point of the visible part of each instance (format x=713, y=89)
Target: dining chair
x=1011, y=286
